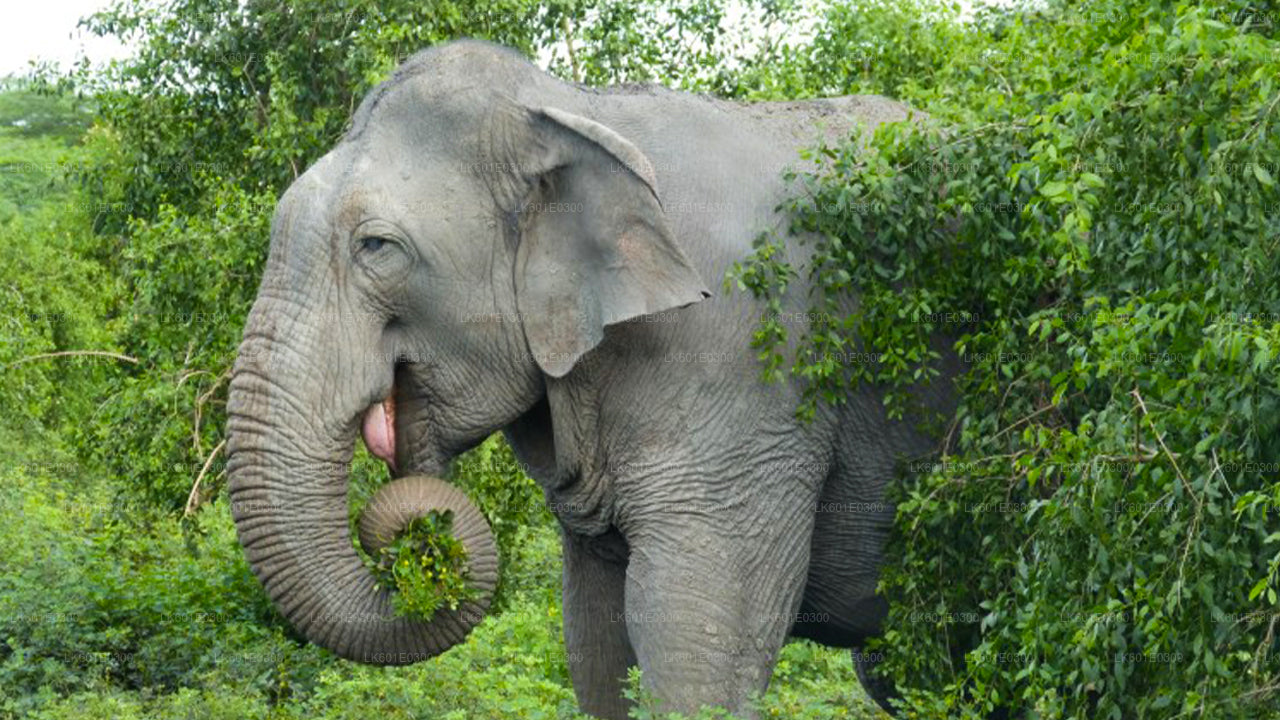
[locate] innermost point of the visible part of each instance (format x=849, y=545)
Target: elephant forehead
x=370, y=185
x=324, y=192
x=402, y=196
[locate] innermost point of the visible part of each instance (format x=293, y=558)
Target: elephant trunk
x=288, y=473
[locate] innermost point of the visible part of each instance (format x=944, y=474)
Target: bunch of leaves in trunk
x=1096, y=232
x=426, y=566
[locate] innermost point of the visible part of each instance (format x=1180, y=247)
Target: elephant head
x=425, y=278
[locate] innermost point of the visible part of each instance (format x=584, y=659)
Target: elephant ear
x=595, y=245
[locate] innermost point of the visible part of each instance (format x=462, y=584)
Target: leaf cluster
x=426, y=566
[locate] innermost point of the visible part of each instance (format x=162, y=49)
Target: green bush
x=1101, y=217
x=866, y=47
x=95, y=594
x=192, y=279
x=51, y=298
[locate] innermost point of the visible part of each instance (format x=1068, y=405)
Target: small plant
x=426, y=566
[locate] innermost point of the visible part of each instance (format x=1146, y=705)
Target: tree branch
x=68, y=353
x=568, y=41
x=193, y=499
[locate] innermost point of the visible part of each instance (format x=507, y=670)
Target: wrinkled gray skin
x=498, y=249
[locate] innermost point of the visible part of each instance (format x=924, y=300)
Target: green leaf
x=1258, y=589
x=1054, y=189
x=1092, y=180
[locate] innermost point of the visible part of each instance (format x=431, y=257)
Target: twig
x=200, y=401
x=1160, y=439
x=951, y=432
x=968, y=136
x=263, y=115
x=67, y=353
x=1263, y=691
x=568, y=41
x=1195, y=521
x=1266, y=641
x=1032, y=416
x=1145, y=457
x=1264, y=117
x=188, y=374
x=1005, y=395
x=1217, y=468
x=193, y=499
x=1008, y=91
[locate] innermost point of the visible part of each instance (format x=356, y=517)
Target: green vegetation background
x=1123, y=316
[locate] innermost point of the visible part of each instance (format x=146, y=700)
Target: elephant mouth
x=383, y=426
x=379, y=429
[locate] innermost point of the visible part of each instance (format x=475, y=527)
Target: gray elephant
x=490, y=248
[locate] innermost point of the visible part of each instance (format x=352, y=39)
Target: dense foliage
x=1095, y=227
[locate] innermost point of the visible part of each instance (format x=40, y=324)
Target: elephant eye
x=372, y=244
x=384, y=256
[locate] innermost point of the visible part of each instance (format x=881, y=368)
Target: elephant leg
x=595, y=634
x=877, y=688
x=709, y=609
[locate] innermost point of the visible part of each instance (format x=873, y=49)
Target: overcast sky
x=47, y=29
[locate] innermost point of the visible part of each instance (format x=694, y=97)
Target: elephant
x=490, y=248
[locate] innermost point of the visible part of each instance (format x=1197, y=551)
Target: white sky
x=47, y=29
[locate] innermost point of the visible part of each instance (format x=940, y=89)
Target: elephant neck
x=551, y=441
x=532, y=438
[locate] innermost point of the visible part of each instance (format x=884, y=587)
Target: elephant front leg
x=708, y=610
x=595, y=633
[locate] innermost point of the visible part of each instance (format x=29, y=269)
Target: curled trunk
x=288, y=477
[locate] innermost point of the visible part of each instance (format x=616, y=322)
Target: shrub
x=1101, y=215
x=95, y=593
x=193, y=278
x=51, y=298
